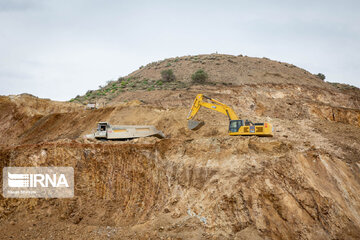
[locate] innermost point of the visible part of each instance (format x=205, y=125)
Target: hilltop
x=222, y=70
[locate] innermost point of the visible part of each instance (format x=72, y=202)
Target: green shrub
x=167, y=75
x=200, y=76
x=321, y=76
x=159, y=82
x=100, y=94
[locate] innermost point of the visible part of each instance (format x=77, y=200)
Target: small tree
x=200, y=76
x=167, y=75
x=321, y=76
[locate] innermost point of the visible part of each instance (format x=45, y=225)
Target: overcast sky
x=59, y=49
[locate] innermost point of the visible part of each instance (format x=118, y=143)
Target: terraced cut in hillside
x=301, y=184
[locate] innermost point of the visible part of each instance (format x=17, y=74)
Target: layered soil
x=303, y=183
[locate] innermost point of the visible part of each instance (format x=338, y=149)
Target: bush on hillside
x=167, y=75
x=321, y=76
x=200, y=76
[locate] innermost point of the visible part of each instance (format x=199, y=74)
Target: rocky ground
x=303, y=183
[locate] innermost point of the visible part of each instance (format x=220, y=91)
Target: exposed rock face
x=218, y=187
x=301, y=184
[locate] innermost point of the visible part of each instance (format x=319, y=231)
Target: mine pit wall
x=24, y=129
x=114, y=184
x=21, y=124
x=335, y=114
x=298, y=102
x=282, y=192
x=227, y=185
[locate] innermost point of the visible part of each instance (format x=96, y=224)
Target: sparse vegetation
x=167, y=75
x=123, y=83
x=200, y=76
x=160, y=75
x=321, y=76
x=342, y=86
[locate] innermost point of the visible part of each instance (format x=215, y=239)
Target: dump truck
x=105, y=131
x=236, y=126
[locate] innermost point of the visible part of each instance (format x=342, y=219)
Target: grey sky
x=59, y=49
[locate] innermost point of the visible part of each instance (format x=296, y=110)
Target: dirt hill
x=222, y=70
x=231, y=69
x=301, y=184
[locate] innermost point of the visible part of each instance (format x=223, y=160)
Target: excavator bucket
x=195, y=125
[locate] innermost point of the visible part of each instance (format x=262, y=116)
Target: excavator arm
x=213, y=105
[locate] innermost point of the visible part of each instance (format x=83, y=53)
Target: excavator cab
x=235, y=125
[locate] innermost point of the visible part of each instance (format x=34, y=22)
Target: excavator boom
x=214, y=105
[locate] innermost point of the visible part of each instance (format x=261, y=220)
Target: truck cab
x=101, y=131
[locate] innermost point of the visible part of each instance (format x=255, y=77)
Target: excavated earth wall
x=301, y=184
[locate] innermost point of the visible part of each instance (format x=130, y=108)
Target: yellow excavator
x=236, y=125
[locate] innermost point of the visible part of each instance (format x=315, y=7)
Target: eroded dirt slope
x=301, y=184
